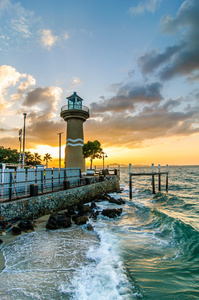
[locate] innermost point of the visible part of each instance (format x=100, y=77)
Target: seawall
x=35, y=207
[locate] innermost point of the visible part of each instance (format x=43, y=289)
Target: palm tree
x=47, y=157
x=37, y=158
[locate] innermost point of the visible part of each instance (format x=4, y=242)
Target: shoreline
x=40, y=224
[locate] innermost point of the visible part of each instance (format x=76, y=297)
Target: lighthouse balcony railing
x=75, y=106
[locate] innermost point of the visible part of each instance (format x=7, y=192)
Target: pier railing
x=15, y=184
x=152, y=174
x=75, y=106
x=21, y=183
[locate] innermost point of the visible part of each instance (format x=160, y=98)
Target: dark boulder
x=84, y=210
x=81, y=220
x=26, y=225
x=112, y=213
x=119, y=201
x=6, y=225
x=105, y=197
x=90, y=227
x=1, y=241
x=93, y=205
x=16, y=230
x=71, y=210
x=58, y=220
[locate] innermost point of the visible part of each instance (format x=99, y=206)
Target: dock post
x=159, y=179
x=167, y=178
x=153, y=180
x=130, y=182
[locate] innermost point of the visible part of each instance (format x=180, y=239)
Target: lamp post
x=103, y=156
x=60, y=133
x=24, y=131
x=20, y=133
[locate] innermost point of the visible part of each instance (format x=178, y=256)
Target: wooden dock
x=152, y=174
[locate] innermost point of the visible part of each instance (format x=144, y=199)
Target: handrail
x=76, y=107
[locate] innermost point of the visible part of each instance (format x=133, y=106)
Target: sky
x=134, y=63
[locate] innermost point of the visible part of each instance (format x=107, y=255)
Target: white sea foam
x=103, y=276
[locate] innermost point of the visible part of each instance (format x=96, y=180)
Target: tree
x=92, y=150
x=47, y=157
x=8, y=155
x=29, y=158
x=37, y=159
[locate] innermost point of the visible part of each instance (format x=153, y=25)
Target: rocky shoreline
x=78, y=215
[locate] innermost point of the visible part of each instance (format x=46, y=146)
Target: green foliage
x=92, y=150
x=8, y=155
x=32, y=159
x=47, y=157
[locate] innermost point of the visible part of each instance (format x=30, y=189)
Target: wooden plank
x=148, y=174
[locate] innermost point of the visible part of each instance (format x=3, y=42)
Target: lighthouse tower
x=75, y=114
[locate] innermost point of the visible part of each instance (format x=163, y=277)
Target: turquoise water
x=150, y=252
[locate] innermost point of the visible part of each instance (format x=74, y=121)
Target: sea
x=151, y=251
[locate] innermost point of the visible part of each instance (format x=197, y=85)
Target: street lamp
x=24, y=128
x=103, y=156
x=20, y=133
x=60, y=133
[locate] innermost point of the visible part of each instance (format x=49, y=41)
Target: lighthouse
x=75, y=114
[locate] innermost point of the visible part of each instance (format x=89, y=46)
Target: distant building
x=75, y=114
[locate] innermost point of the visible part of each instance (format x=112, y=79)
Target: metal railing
x=21, y=183
x=75, y=106
x=31, y=182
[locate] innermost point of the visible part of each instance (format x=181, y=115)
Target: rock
x=119, y=191
x=26, y=225
x=81, y=220
x=105, y=197
x=94, y=215
x=6, y=225
x=90, y=227
x=119, y=201
x=1, y=241
x=84, y=209
x=71, y=210
x=16, y=230
x=93, y=205
x=58, y=220
x=112, y=213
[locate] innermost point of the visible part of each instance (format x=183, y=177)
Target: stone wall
x=38, y=206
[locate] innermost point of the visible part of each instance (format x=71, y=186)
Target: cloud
x=8, y=78
x=24, y=86
x=75, y=82
x=181, y=59
x=45, y=132
x=127, y=96
x=152, y=60
x=154, y=120
x=66, y=36
x=47, y=38
x=42, y=102
x=17, y=19
x=149, y=6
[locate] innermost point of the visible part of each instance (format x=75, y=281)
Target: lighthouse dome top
x=74, y=108
x=74, y=101
x=73, y=96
